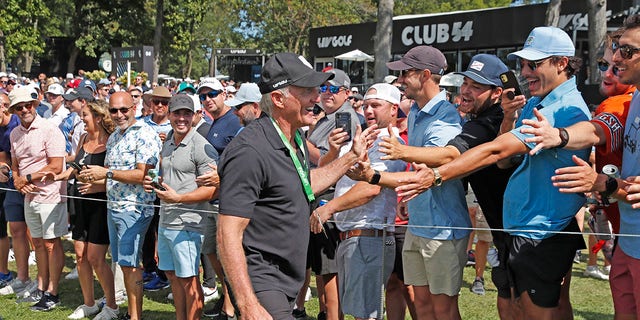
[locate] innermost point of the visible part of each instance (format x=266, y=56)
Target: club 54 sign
x=437, y=33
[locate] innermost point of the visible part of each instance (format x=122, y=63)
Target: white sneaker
x=72, y=275
x=492, y=258
x=170, y=296
x=121, y=297
x=307, y=295
x=209, y=294
x=16, y=285
x=478, y=286
x=12, y=256
x=29, y=290
x=107, y=314
x=32, y=258
x=84, y=311
x=594, y=272
x=607, y=269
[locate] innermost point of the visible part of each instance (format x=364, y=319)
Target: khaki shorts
x=481, y=222
x=438, y=264
x=46, y=220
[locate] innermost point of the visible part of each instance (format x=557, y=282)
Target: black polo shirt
x=489, y=183
x=260, y=182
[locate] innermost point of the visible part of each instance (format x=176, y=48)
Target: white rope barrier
x=372, y=225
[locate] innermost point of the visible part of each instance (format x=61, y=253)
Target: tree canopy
x=188, y=28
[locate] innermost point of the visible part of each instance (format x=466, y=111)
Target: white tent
x=357, y=55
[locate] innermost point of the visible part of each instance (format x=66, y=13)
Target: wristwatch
x=375, y=178
x=28, y=176
x=564, y=137
x=611, y=186
x=109, y=174
x=437, y=178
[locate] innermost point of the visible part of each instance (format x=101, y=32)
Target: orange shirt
x=611, y=116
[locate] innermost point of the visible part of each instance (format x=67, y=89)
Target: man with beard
x=534, y=211
x=245, y=104
x=481, y=91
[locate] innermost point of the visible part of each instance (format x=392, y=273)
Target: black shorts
x=91, y=219
x=500, y=274
x=3, y=220
x=323, y=246
x=397, y=265
x=539, y=266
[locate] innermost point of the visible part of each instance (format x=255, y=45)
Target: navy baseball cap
x=485, y=69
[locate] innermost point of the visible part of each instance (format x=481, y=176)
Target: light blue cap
x=544, y=42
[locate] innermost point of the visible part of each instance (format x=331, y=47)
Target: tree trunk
x=27, y=59
x=597, y=33
x=73, y=57
x=157, y=39
x=382, y=41
x=553, y=13
x=3, y=62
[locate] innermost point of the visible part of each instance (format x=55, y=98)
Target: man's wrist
x=564, y=137
x=28, y=178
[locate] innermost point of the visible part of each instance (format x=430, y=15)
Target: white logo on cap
x=529, y=41
x=476, y=65
x=305, y=62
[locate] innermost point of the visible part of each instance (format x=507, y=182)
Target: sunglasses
x=626, y=51
x=603, y=65
x=404, y=73
x=332, y=89
x=20, y=107
x=135, y=96
x=533, y=65
x=122, y=110
x=211, y=94
x=158, y=102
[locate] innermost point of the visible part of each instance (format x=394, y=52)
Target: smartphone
x=343, y=120
x=153, y=174
x=75, y=166
x=509, y=80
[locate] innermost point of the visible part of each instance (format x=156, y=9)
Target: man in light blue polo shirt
x=534, y=210
x=433, y=258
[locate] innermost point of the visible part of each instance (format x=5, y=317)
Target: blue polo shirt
x=629, y=217
x=223, y=130
x=445, y=206
x=159, y=128
x=532, y=205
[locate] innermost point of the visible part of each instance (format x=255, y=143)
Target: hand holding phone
x=343, y=120
x=509, y=80
x=155, y=179
x=75, y=166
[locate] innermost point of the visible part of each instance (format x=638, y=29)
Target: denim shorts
x=126, y=235
x=179, y=251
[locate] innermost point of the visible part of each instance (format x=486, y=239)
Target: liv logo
x=334, y=41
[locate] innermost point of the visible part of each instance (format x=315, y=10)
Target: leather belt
x=344, y=235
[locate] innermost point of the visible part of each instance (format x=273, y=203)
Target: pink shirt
x=31, y=147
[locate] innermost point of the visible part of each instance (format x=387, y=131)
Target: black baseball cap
x=289, y=69
x=79, y=93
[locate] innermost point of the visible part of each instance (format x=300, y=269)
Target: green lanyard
x=296, y=162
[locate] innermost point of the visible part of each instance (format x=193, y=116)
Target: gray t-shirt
x=319, y=137
x=181, y=164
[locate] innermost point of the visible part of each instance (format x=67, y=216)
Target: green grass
x=591, y=298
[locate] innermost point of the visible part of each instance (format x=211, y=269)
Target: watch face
x=564, y=135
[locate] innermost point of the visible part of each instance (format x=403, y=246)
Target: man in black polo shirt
x=266, y=188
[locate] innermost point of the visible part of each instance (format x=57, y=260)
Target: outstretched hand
x=364, y=140
x=580, y=178
x=391, y=146
x=546, y=136
x=421, y=181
